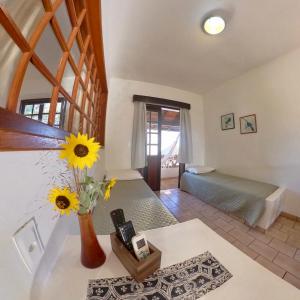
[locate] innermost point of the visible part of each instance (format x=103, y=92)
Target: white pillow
x=123, y=174
x=200, y=169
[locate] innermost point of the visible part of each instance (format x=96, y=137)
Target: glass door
x=153, y=169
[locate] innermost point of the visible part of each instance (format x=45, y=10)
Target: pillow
x=123, y=174
x=200, y=169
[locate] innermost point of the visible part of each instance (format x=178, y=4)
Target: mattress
x=139, y=203
x=242, y=197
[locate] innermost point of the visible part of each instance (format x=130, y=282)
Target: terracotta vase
x=92, y=255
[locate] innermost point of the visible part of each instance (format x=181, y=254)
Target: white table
x=250, y=281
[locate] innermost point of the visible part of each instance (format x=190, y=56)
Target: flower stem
x=76, y=181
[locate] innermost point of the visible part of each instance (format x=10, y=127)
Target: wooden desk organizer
x=139, y=270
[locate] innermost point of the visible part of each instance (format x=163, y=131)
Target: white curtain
x=138, y=146
x=185, y=147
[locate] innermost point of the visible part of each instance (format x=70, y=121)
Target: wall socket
x=29, y=244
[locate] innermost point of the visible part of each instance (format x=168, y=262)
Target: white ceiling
x=160, y=41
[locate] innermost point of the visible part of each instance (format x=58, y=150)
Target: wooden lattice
x=86, y=32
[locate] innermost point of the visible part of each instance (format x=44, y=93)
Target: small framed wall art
x=248, y=124
x=227, y=121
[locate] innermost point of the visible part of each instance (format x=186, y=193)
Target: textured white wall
x=272, y=91
x=120, y=118
x=25, y=180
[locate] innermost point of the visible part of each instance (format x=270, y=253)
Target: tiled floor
x=278, y=249
x=169, y=183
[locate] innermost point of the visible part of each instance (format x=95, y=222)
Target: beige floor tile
x=263, y=249
x=276, y=226
x=287, y=263
x=209, y=211
x=168, y=183
x=223, y=216
x=292, y=241
x=286, y=222
x=208, y=222
x=271, y=266
x=289, y=230
x=281, y=238
x=297, y=255
x=283, y=247
x=297, y=225
x=211, y=216
x=242, y=236
x=292, y=280
x=223, y=224
x=260, y=236
x=275, y=233
x=225, y=235
x=238, y=225
x=246, y=249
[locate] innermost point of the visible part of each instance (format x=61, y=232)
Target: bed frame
x=272, y=210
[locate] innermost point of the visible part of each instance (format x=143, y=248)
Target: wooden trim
x=36, y=61
x=161, y=102
x=18, y=141
x=290, y=216
x=181, y=171
x=13, y=96
x=13, y=30
x=59, y=35
x=103, y=104
x=95, y=27
x=72, y=12
x=47, y=5
x=16, y=122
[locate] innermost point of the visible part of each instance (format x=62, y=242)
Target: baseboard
x=290, y=216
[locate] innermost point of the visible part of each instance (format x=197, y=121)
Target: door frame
x=161, y=102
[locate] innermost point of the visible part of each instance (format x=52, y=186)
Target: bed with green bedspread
x=242, y=197
x=140, y=205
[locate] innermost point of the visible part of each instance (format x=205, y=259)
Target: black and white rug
x=190, y=280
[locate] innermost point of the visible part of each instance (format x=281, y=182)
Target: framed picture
x=227, y=121
x=248, y=124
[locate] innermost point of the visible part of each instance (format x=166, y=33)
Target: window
x=38, y=109
x=152, y=133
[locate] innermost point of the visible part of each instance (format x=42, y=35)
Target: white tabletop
x=250, y=281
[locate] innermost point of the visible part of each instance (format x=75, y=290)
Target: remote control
x=140, y=246
x=118, y=219
x=127, y=233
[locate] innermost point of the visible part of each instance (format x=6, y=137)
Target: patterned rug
x=190, y=280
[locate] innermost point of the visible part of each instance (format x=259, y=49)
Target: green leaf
x=83, y=210
x=84, y=199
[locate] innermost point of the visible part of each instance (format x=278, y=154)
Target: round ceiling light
x=214, y=25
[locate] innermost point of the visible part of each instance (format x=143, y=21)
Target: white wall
x=271, y=91
x=120, y=118
x=169, y=172
x=25, y=180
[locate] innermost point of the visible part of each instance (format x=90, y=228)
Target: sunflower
x=108, y=188
x=80, y=151
x=63, y=200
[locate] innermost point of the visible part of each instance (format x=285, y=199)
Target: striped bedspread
x=241, y=197
x=140, y=205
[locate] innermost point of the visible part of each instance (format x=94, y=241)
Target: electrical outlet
x=29, y=245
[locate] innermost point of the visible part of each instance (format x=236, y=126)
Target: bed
x=139, y=202
x=258, y=203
